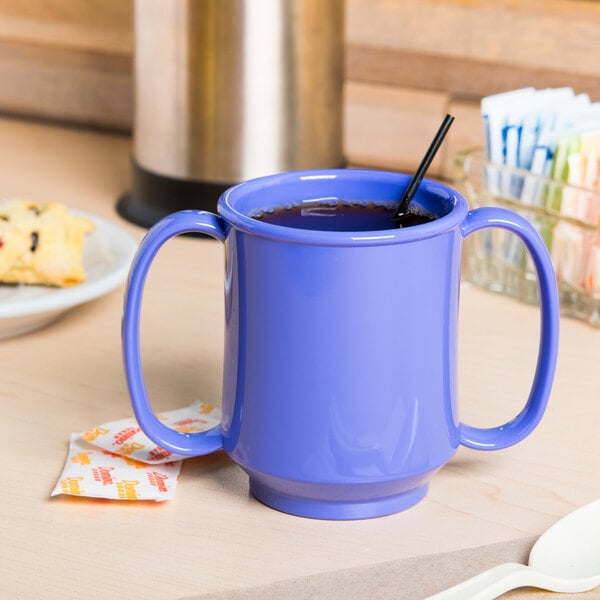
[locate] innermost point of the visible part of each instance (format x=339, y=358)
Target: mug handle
x=185, y=221
x=526, y=421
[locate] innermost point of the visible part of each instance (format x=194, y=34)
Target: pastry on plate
x=41, y=243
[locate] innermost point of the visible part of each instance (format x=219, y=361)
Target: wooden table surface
x=214, y=540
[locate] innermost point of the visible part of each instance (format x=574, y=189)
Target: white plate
x=107, y=255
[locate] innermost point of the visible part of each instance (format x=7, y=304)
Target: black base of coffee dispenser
x=155, y=196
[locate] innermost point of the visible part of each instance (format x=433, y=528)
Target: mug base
x=336, y=510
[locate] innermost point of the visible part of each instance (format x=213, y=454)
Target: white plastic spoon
x=566, y=558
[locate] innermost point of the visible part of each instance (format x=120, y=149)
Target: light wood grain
x=472, y=49
x=81, y=86
x=391, y=127
x=76, y=24
x=466, y=132
x=214, y=538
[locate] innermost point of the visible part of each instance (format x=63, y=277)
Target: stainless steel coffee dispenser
x=227, y=90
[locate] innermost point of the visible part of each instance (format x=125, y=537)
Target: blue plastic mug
x=340, y=378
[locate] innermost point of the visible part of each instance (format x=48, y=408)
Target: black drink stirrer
x=402, y=210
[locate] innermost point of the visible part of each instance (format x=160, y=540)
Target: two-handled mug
x=340, y=378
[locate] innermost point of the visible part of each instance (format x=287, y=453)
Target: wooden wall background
x=407, y=64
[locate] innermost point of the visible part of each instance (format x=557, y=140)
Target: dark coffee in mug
x=340, y=215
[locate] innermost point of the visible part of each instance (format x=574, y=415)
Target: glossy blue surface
x=339, y=391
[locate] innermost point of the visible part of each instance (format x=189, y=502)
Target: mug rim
x=236, y=218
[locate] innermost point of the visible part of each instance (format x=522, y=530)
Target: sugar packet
x=534, y=136
x=95, y=473
x=117, y=461
x=124, y=437
x=522, y=129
